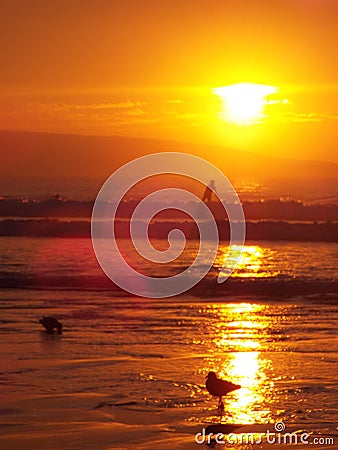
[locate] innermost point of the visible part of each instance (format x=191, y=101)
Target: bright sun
x=243, y=103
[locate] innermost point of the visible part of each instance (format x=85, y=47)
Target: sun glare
x=243, y=103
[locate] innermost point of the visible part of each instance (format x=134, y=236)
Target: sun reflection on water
x=247, y=369
x=255, y=261
x=238, y=357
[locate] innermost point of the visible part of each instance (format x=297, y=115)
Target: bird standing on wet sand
x=218, y=388
x=50, y=323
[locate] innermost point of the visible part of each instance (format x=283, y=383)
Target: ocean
x=315, y=191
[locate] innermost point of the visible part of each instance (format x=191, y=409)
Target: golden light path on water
x=255, y=261
x=238, y=357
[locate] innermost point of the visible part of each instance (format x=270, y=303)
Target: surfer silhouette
x=209, y=190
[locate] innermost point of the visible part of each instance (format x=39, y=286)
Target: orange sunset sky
x=148, y=68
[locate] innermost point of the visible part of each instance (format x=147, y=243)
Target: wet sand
x=130, y=373
x=73, y=422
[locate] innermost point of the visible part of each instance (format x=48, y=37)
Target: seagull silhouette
x=50, y=323
x=218, y=388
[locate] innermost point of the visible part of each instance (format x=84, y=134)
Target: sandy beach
x=137, y=379
x=70, y=422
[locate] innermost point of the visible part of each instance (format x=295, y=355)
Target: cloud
x=64, y=107
x=307, y=117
